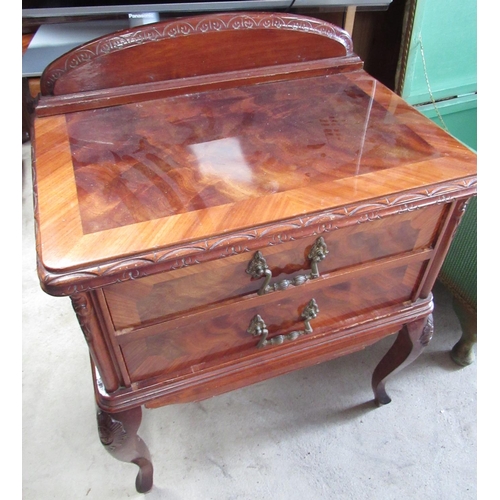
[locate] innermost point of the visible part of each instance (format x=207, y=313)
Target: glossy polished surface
x=161, y=213
x=144, y=161
x=286, y=149
x=219, y=43
x=162, y=296
x=196, y=346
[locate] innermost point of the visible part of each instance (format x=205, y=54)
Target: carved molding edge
x=84, y=311
x=172, y=258
x=461, y=208
x=192, y=26
x=94, y=336
x=427, y=331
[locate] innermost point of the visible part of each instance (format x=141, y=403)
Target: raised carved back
x=194, y=47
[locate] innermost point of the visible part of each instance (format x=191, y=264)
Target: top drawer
x=163, y=296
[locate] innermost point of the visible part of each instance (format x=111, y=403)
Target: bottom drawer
x=208, y=341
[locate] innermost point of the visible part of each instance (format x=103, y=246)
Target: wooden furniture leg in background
x=409, y=344
x=28, y=106
x=463, y=351
x=118, y=434
x=349, y=19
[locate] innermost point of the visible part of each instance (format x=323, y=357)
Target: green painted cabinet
x=440, y=80
x=441, y=59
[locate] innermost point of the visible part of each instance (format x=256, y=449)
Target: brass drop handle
x=258, y=327
x=258, y=268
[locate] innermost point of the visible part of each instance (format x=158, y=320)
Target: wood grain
x=204, y=343
x=202, y=41
x=161, y=296
x=421, y=157
x=195, y=152
x=157, y=182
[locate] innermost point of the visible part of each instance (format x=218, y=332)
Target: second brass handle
x=258, y=268
x=258, y=327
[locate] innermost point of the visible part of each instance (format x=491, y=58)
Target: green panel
x=446, y=32
x=459, y=116
x=459, y=271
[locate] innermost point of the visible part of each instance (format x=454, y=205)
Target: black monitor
x=64, y=24
x=65, y=8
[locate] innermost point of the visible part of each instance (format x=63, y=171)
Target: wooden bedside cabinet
x=226, y=198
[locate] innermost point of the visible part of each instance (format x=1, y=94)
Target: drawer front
x=170, y=350
x=160, y=297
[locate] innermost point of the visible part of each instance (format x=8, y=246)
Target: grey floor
x=314, y=434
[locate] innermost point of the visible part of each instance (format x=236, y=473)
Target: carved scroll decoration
x=427, y=331
x=112, y=433
x=81, y=307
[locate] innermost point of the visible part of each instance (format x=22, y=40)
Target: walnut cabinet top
x=188, y=140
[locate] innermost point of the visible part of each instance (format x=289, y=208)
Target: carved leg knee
x=118, y=434
x=409, y=343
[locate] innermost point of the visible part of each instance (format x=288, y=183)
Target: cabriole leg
x=118, y=434
x=410, y=342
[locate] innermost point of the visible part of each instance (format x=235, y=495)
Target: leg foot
x=118, y=434
x=463, y=351
x=408, y=345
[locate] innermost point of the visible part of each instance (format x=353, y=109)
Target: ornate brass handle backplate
x=258, y=328
x=258, y=268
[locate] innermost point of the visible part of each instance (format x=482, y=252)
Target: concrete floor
x=314, y=434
